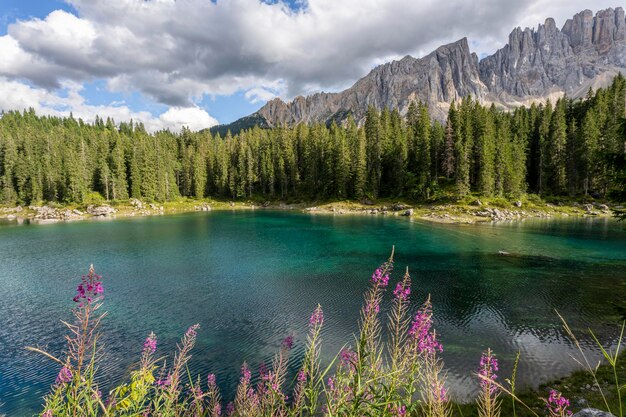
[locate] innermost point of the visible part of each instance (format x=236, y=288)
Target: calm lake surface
x=252, y=278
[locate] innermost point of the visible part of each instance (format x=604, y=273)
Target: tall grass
x=397, y=375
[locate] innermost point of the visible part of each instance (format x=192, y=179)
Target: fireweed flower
x=210, y=380
x=287, y=343
x=192, y=331
x=230, y=409
x=64, y=376
x=331, y=383
x=487, y=371
x=440, y=393
x=150, y=345
x=302, y=376
x=401, y=292
x=317, y=318
x=557, y=405
x=245, y=374
x=398, y=411
x=379, y=279
x=348, y=357
x=89, y=290
x=426, y=341
x=164, y=383
x=372, y=307
x=47, y=413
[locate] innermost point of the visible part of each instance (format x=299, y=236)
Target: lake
x=250, y=278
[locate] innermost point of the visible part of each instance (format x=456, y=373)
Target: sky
x=197, y=63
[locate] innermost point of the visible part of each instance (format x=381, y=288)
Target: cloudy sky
x=170, y=63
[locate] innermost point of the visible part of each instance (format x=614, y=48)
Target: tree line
x=561, y=148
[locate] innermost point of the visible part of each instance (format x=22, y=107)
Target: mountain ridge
x=534, y=65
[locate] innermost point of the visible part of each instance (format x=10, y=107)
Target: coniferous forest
x=567, y=147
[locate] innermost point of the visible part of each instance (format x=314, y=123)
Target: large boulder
x=592, y=412
x=100, y=211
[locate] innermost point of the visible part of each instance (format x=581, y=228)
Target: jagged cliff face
x=535, y=64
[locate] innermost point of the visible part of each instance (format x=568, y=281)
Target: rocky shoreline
x=478, y=212
x=475, y=212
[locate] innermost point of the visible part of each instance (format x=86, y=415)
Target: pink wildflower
x=64, y=376
x=487, y=371
x=557, y=405
x=420, y=330
x=150, y=345
x=379, y=279
x=401, y=292
x=302, y=376
x=317, y=318
x=210, y=379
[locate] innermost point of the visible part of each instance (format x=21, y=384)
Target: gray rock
x=136, y=204
x=399, y=207
x=100, y=211
x=592, y=412
x=582, y=403
x=409, y=212
x=518, y=204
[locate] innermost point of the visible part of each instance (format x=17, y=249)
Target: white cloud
x=193, y=118
x=259, y=95
x=15, y=95
x=177, y=52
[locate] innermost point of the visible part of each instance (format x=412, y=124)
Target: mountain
x=535, y=64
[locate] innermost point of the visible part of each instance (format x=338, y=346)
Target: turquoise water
x=252, y=278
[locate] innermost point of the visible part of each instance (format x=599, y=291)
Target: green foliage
x=571, y=147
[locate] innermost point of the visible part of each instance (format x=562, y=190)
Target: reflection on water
x=252, y=278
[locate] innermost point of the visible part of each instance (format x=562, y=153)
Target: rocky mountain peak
x=533, y=65
x=602, y=31
x=537, y=63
